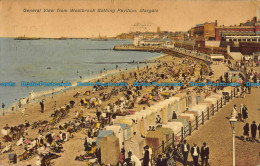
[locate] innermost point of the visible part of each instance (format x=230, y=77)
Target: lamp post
x=233, y=121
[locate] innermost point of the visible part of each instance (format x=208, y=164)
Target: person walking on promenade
x=240, y=117
x=195, y=152
x=234, y=112
x=159, y=161
x=185, y=148
x=204, y=154
x=244, y=113
x=146, y=159
x=246, y=132
x=253, y=130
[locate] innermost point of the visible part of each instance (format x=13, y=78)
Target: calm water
x=51, y=60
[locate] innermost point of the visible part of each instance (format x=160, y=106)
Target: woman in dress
x=246, y=132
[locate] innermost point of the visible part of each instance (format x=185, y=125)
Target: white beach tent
x=175, y=126
x=212, y=100
x=181, y=102
x=119, y=133
x=189, y=115
x=199, y=108
x=145, y=121
x=138, y=122
x=218, y=96
x=135, y=145
x=149, y=117
x=169, y=108
x=129, y=122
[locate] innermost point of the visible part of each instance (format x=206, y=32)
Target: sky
x=172, y=15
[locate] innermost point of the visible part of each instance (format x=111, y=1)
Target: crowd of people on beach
x=56, y=130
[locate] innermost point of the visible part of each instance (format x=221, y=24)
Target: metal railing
x=191, y=127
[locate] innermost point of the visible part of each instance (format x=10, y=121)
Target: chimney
x=216, y=22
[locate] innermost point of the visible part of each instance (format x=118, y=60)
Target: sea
x=50, y=60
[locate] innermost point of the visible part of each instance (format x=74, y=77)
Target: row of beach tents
x=126, y=130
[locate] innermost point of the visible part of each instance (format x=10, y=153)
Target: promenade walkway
x=217, y=134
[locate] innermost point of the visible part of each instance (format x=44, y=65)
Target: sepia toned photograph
x=129, y=83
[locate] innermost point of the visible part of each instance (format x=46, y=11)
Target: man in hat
x=204, y=154
x=185, y=147
x=253, y=130
x=195, y=152
x=244, y=113
x=159, y=160
x=146, y=159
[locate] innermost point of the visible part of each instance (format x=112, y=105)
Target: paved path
x=217, y=133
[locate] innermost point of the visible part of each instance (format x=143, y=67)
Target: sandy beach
x=32, y=112
x=74, y=146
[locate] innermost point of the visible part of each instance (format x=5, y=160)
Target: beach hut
x=154, y=140
x=211, y=100
x=167, y=134
x=130, y=124
x=164, y=106
x=135, y=145
x=157, y=109
x=139, y=129
x=207, y=104
x=102, y=134
x=136, y=122
x=189, y=117
x=145, y=121
x=218, y=96
x=169, y=107
x=119, y=133
x=181, y=102
x=125, y=128
x=110, y=150
x=175, y=126
x=183, y=121
x=189, y=101
x=199, y=109
x=149, y=120
x=192, y=112
x=176, y=106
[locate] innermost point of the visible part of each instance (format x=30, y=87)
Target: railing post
x=163, y=146
x=221, y=102
x=197, y=124
x=231, y=95
x=213, y=109
x=181, y=134
x=202, y=118
x=173, y=142
x=234, y=92
x=208, y=112
x=225, y=101
x=189, y=127
x=217, y=105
